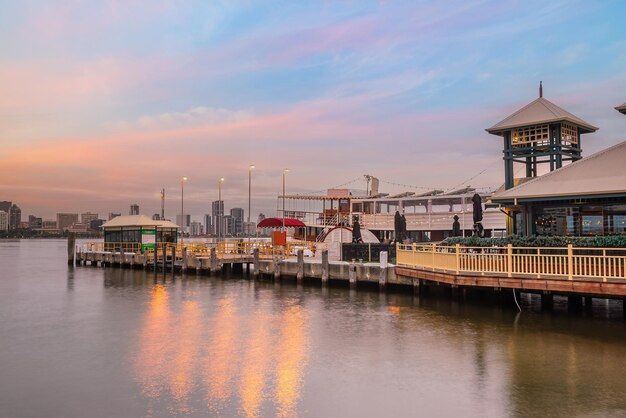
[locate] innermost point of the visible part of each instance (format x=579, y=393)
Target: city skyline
x=103, y=105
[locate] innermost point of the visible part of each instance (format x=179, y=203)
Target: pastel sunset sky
x=103, y=103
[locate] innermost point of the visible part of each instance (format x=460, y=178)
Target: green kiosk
x=137, y=233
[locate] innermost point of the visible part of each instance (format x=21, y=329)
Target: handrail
x=540, y=262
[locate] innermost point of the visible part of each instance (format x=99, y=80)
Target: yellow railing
x=223, y=249
x=541, y=262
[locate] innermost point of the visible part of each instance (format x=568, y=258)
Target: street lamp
x=182, y=208
x=220, y=213
x=249, y=198
x=285, y=171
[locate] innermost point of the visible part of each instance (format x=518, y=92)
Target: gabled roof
x=538, y=112
x=602, y=173
x=621, y=109
x=137, y=220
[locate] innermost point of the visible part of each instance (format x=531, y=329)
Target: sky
x=104, y=103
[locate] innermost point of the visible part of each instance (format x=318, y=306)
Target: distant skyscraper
x=114, y=215
x=15, y=217
x=184, y=227
x=87, y=217
x=6, y=207
x=134, y=209
x=66, y=220
x=35, y=222
x=237, y=215
x=228, y=224
x=217, y=210
x=208, y=224
x=4, y=221
x=49, y=224
x=195, y=229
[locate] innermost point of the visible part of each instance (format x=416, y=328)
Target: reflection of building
x=134, y=209
x=66, y=220
x=587, y=197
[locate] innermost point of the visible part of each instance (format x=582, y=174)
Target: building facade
x=66, y=220
x=4, y=221
x=87, y=217
x=134, y=209
x=217, y=210
x=208, y=224
x=35, y=222
x=237, y=214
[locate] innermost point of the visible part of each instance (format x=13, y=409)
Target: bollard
x=352, y=275
x=300, y=272
x=255, y=254
x=276, y=269
x=382, y=278
x=324, y=266
x=71, y=243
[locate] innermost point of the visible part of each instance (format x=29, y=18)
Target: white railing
x=540, y=262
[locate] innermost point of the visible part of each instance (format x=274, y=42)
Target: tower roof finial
x=540, y=89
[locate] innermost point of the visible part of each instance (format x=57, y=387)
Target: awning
x=278, y=222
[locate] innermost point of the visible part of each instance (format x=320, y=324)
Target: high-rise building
x=208, y=224
x=184, y=227
x=114, y=215
x=87, y=217
x=217, y=210
x=35, y=222
x=237, y=215
x=249, y=228
x=134, y=209
x=195, y=229
x=228, y=225
x=4, y=221
x=15, y=217
x=66, y=220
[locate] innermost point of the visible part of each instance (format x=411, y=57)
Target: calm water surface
x=93, y=342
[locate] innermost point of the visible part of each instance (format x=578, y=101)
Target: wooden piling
x=255, y=255
x=547, y=300
x=276, y=269
x=382, y=275
x=324, y=267
x=352, y=275
x=164, y=260
x=71, y=248
x=184, y=262
x=213, y=261
x=300, y=272
x=172, y=261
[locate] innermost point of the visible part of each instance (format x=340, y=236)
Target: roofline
x=496, y=131
x=564, y=196
x=621, y=109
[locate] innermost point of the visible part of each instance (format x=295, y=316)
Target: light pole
x=285, y=171
x=219, y=212
x=249, y=199
x=182, y=208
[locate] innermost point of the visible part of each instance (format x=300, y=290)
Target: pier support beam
x=324, y=267
x=184, y=263
x=213, y=268
x=173, y=258
x=300, y=271
x=547, y=300
x=588, y=303
x=574, y=303
x=71, y=247
x=255, y=256
x=382, y=275
x=276, y=269
x=352, y=275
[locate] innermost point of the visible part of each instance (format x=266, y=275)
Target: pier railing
x=539, y=262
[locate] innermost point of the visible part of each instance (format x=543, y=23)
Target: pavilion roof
x=602, y=173
x=137, y=220
x=537, y=112
x=621, y=109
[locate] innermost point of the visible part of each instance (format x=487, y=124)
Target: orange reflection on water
x=154, y=348
x=291, y=356
x=255, y=364
x=222, y=355
x=181, y=374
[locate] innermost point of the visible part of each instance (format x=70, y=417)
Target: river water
x=94, y=342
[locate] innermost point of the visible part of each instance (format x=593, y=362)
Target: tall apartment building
x=66, y=220
x=4, y=221
x=237, y=215
x=87, y=217
x=15, y=217
x=208, y=224
x=134, y=209
x=217, y=210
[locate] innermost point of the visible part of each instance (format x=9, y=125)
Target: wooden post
x=255, y=256
x=173, y=257
x=184, y=264
x=382, y=277
x=352, y=275
x=509, y=260
x=71, y=248
x=213, y=261
x=604, y=265
x=458, y=258
x=156, y=258
x=164, y=260
x=570, y=262
x=276, y=269
x=325, y=267
x=300, y=272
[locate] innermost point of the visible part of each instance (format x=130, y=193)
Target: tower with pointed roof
x=540, y=133
x=621, y=109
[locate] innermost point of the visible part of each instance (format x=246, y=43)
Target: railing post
x=434, y=248
x=604, y=263
x=458, y=258
x=570, y=262
x=509, y=260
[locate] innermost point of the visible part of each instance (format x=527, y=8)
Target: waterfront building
x=134, y=209
x=34, y=222
x=66, y=220
x=584, y=198
x=208, y=224
x=4, y=221
x=137, y=230
x=87, y=217
x=49, y=225
x=217, y=210
x=228, y=225
x=114, y=215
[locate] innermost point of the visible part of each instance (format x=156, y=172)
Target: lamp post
x=285, y=171
x=249, y=198
x=220, y=213
x=182, y=208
